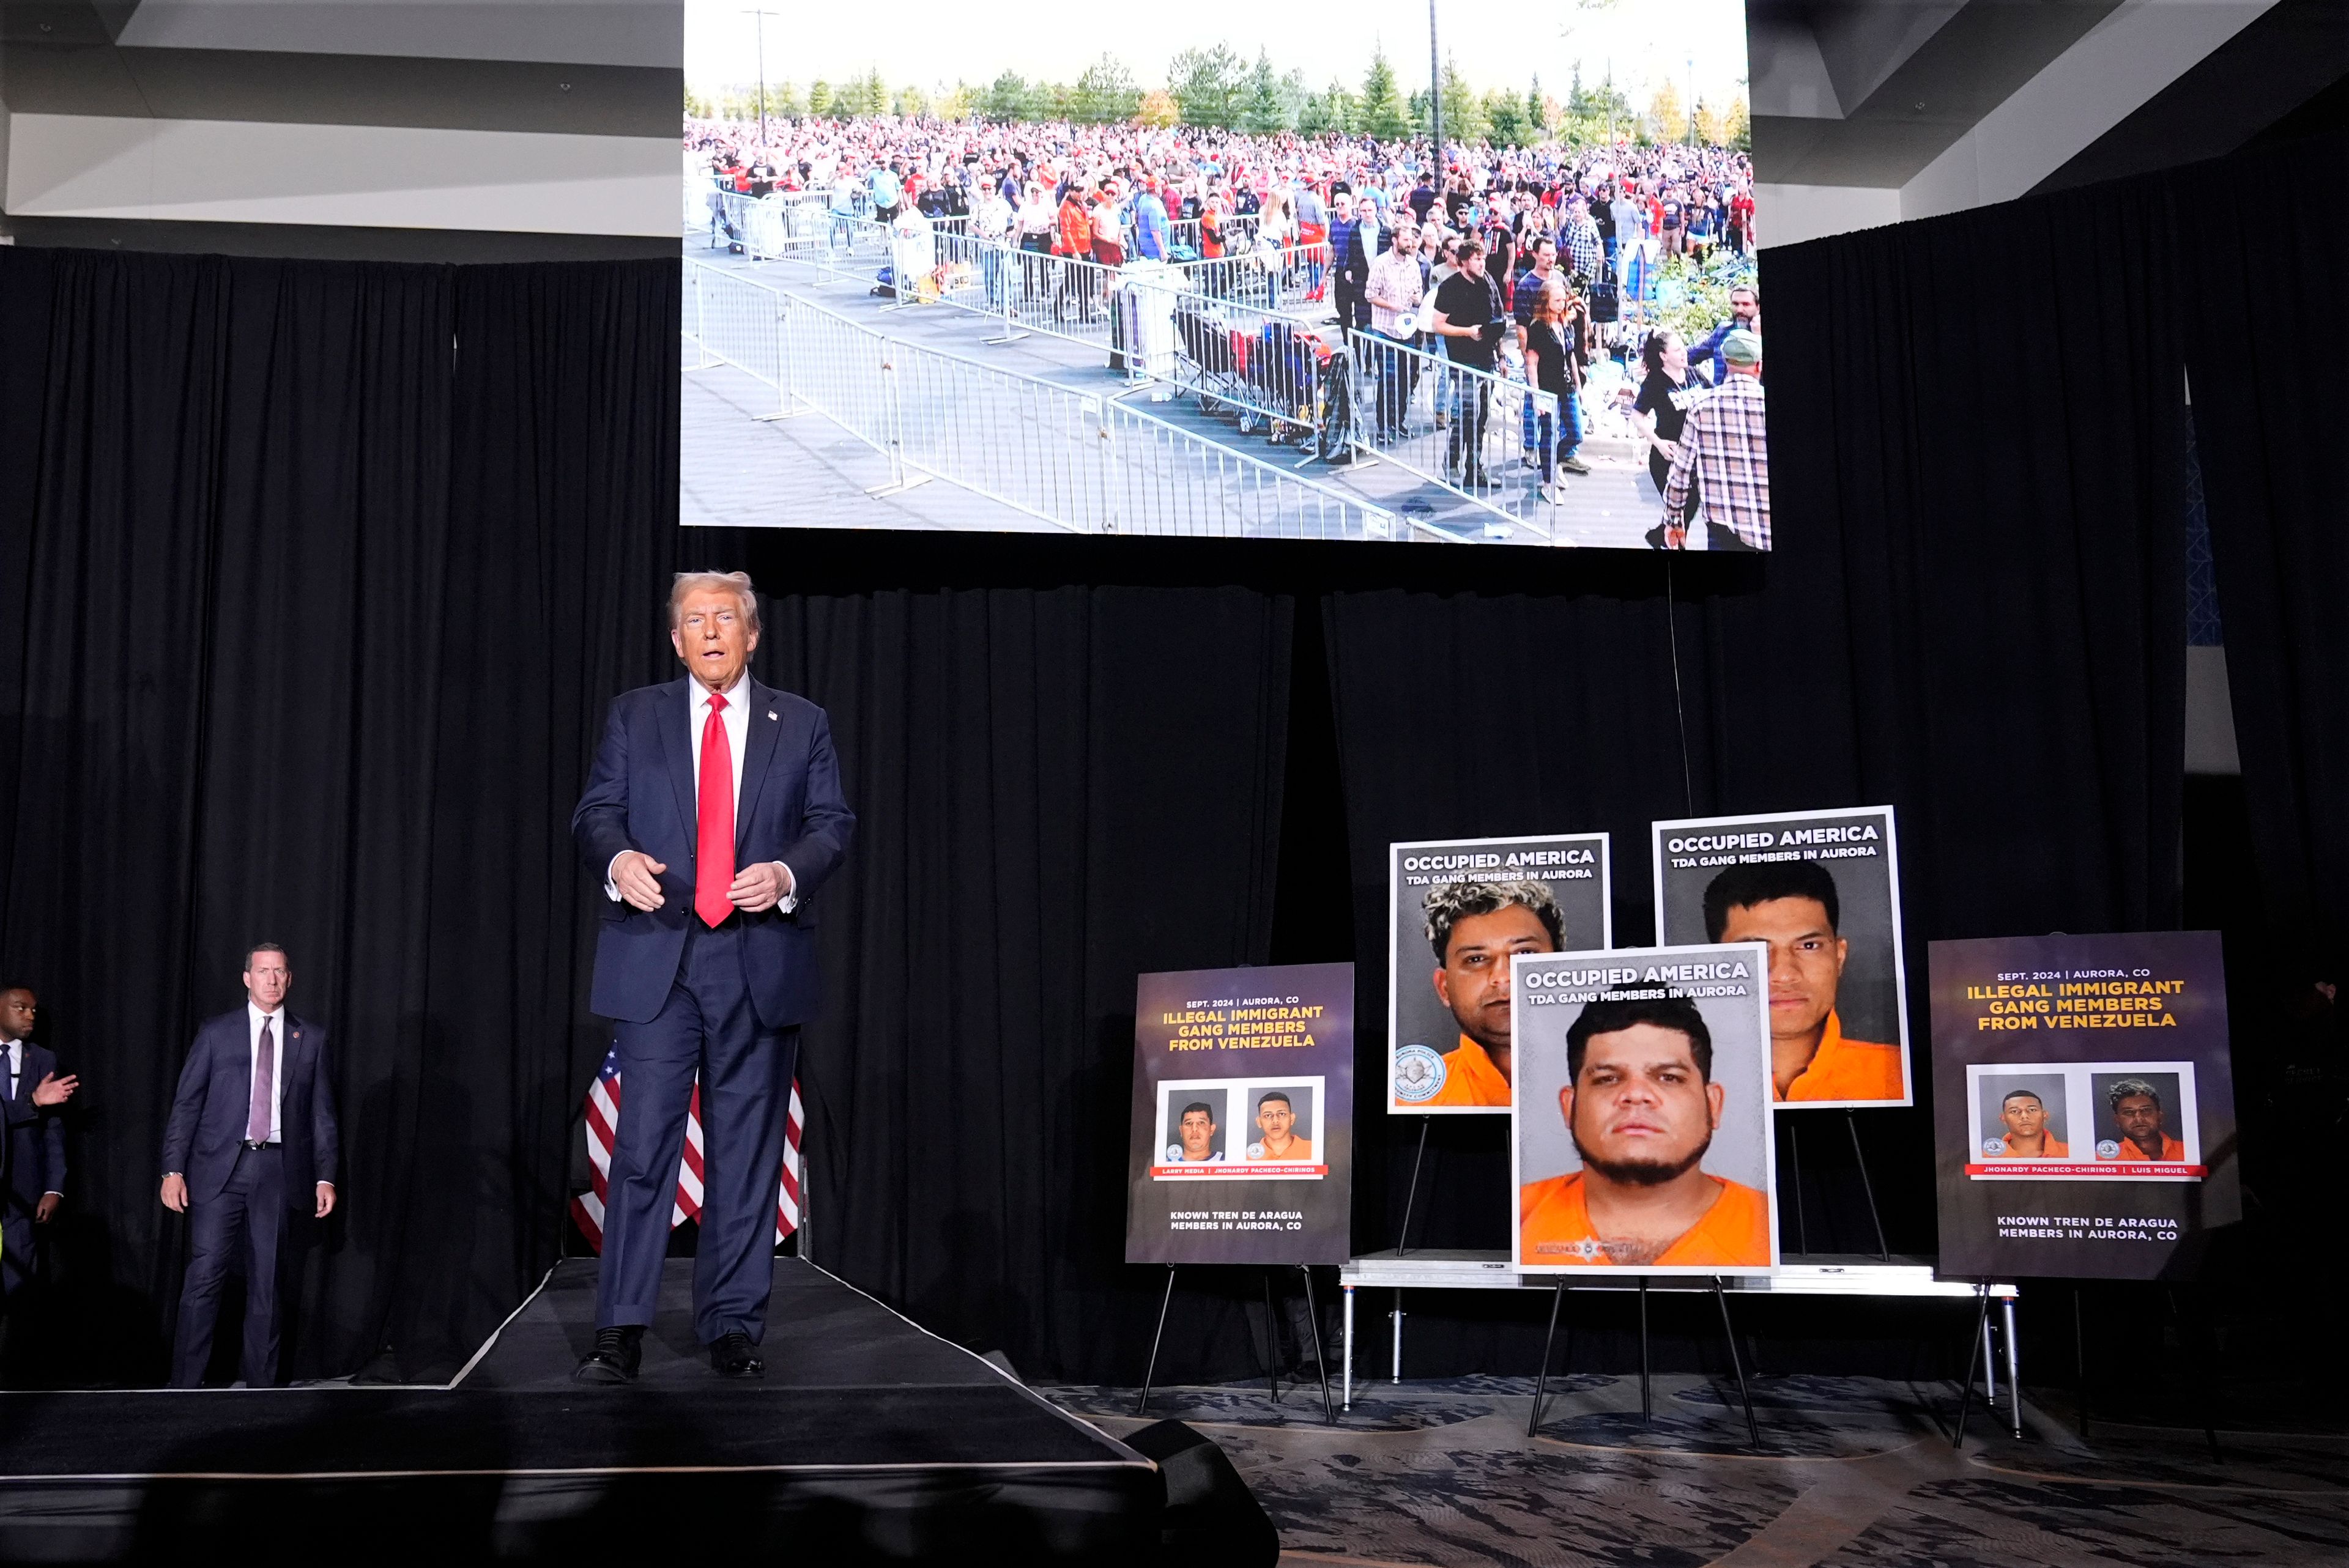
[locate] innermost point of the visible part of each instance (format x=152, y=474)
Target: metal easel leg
x=1802, y=1224
x=1313, y=1316
x=1851, y=1120
x=1647, y=1398
x=2014, y=1366
x=1403, y=1238
x=2209, y=1427
x=1151, y=1370
x=1541, y=1375
x=1271, y=1341
x=1346, y=1357
x=2079, y=1360
x=1974, y=1349
x=1721, y=1299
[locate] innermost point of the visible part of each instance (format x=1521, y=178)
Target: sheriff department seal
x=1419, y=1073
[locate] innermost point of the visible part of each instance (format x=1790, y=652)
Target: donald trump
x=712, y=814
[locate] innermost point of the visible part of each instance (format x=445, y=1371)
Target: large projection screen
x=1193, y=273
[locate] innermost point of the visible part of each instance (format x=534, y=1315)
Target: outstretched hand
x=638, y=876
x=54, y=1090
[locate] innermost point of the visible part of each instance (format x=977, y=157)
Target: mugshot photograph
x=1643, y=1138
x=2025, y=1117
x=2138, y=1117
x=1822, y=891
x=1284, y=1124
x=1195, y=1125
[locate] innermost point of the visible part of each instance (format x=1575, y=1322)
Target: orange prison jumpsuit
x=1848, y=1069
x=1554, y=1220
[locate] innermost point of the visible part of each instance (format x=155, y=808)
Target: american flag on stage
x=604, y=1117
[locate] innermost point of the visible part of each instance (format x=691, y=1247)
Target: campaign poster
x=1458, y=909
x=1822, y=890
x=2083, y=1104
x=1642, y=1135
x=1241, y=1148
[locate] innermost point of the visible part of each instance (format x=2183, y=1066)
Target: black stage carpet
x=869, y=1440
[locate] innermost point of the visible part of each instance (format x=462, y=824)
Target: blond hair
x=736, y=582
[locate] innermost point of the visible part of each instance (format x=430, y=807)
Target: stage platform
x=868, y=1440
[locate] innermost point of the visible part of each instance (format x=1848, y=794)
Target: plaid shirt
x=1726, y=446
x=1582, y=250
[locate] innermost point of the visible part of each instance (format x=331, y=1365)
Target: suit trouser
x=247, y=1219
x=15, y=1245
x=1353, y=306
x=707, y=1025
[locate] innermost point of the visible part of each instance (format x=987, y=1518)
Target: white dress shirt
x=253, y=1016
x=736, y=717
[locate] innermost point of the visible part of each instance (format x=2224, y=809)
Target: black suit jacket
x=216, y=1095
x=642, y=796
x=36, y=1152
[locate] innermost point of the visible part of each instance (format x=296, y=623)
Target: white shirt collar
x=736, y=695
x=253, y=1015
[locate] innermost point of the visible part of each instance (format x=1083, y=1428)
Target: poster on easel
x=1241, y=1150
x=2084, y=1112
x=1642, y=1132
x=1457, y=911
x=1822, y=890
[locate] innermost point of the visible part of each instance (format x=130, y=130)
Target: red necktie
x=713, y=855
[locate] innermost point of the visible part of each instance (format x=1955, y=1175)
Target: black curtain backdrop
x=2266, y=420
x=315, y=579
x=1975, y=612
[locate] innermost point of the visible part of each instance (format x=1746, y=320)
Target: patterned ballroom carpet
x=1852, y=1472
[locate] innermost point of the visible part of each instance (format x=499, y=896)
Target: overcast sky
x=932, y=43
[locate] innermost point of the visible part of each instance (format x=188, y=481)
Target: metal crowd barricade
x=1480, y=451
x=1275, y=279
x=1061, y=297
x=1261, y=369
x=732, y=320
x=1176, y=482
x=1074, y=459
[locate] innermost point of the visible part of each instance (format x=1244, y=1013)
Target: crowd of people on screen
x=1559, y=250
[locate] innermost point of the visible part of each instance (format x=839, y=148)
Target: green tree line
x=1218, y=88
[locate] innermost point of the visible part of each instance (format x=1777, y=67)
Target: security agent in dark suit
x=252, y=1138
x=712, y=814
x=34, y=1155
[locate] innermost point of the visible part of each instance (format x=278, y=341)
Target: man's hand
x=175, y=1193
x=45, y=1207
x=326, y=1199
x=638, y=876
x=760, y=887
x=1675, y=538
x=54, y=1090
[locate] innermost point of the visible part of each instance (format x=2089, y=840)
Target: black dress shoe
x=617, y=1353
x=733, y=1356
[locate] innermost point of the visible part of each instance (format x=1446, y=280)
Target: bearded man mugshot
x=1641, y=1107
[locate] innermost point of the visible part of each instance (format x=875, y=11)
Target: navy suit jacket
x=215, y=1096
x=641, y=796
x=1353, y=244
x=35, y=1153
